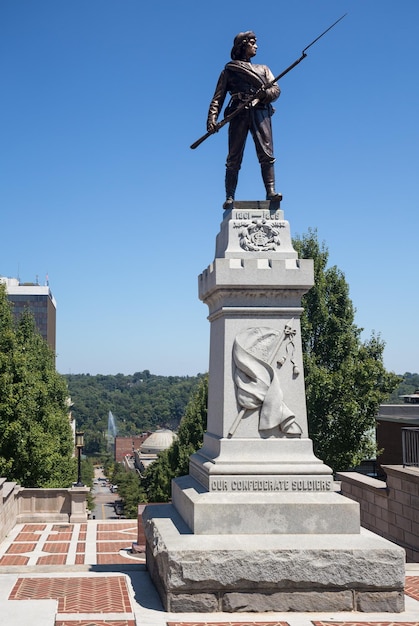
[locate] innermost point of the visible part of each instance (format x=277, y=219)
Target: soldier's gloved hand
x=211, y=126
x=261, y=95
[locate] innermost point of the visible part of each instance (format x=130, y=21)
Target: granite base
x=257, y=573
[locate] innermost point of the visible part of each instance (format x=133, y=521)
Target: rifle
x=254, y=98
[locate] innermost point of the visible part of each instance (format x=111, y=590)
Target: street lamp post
x=79, y=446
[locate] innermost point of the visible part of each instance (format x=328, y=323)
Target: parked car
x=119, y=508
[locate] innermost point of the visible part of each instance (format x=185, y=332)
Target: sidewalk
x=84, y=575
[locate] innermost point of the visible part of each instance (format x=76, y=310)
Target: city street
x=104, y=498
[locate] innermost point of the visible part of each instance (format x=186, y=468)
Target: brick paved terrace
x=86, y=575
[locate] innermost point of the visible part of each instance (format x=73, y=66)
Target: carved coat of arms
x=259, y=235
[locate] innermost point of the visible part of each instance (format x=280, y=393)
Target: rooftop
x=158, y=441
x=85, y=575
x=15, y=288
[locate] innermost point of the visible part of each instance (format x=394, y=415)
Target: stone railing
x=8, y=506
x=21, y=505
x=52, y=505
x=388, y=508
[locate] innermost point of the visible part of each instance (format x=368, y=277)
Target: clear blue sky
x=100, y=190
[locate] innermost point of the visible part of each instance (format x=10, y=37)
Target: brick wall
x=389, y=441
x=391, y=508
x=125, y=445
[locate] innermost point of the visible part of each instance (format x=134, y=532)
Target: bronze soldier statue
x=241, y=79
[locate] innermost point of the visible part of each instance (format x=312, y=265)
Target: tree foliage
x=129, y=488
x=174, y=461
x=139, y=402
x=87, y=477
x=409, y=384
x=345, y=377
x=36, y=442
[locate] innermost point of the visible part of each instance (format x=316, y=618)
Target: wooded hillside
x=145, y=401
x=408, y=385
x=138, y=402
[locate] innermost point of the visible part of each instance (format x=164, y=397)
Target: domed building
x=150, y=448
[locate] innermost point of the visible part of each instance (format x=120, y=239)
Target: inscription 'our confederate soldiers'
x=270, y=484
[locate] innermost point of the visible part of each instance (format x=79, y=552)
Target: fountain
x=112, y=431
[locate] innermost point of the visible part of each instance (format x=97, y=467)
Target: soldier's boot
x=230, y=185
x=268, y=175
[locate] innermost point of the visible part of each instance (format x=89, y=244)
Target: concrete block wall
x=391, y=508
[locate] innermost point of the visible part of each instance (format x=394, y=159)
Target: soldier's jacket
x=241, y=79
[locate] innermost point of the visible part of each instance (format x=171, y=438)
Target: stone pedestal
x=78, y=497
x=259, y=573
x=257, y=524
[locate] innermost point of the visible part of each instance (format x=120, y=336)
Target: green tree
x=36, y=442
x=345, y=377
x=409, y=383
x=87, y=477
x=158, y=479
x=129, y=488
x=175, y=461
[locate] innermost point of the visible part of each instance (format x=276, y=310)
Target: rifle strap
x=248, y=70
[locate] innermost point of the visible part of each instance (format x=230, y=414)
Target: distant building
x=149, y=450
x=124, y=446
x=391, y=419
x=38, y=300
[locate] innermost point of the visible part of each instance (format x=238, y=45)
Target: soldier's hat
x=241, y=40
